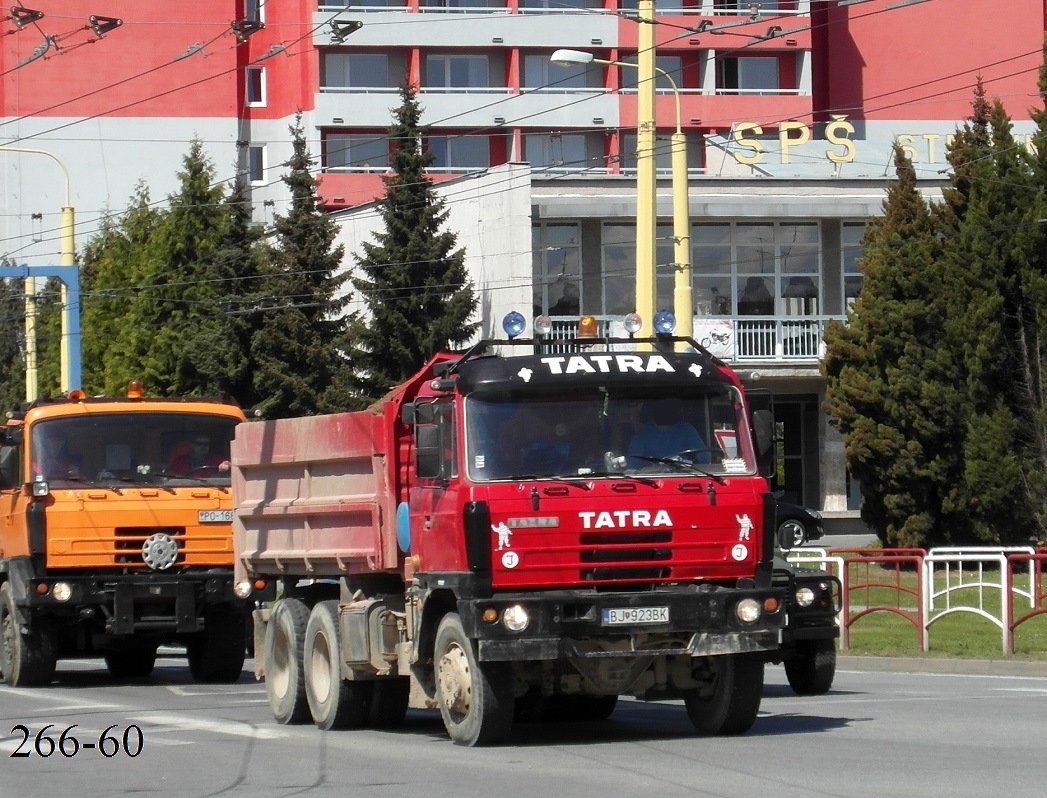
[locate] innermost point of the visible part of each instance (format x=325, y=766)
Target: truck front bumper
x=694, y=620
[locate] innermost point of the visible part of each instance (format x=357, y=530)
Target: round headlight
x=748, y=610
x=62, y=591
x=804, y=596
x=633, y=323
x=515, y=618
x=242, y=589
x=514, y=323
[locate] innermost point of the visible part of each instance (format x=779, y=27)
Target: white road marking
x=189, y=723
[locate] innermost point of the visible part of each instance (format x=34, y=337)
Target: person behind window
x=52, y=460
x=195, y=455
x=756, y=299
x=663, y=433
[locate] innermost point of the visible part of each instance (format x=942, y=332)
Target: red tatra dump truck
x=532, y=527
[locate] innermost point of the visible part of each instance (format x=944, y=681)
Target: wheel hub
x=455, y=680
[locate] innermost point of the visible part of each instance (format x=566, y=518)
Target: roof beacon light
x=664, y=322
x=543, y=325
x=514, y=323
x=587, y=327
x=134, y=389
x=633, y=323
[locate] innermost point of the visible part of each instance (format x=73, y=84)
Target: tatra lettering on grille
x=624, y=519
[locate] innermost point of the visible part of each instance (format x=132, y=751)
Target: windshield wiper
x=682, y=465
x=570, y=479
x=622, y=475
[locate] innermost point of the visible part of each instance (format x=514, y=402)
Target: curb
x=977, y=667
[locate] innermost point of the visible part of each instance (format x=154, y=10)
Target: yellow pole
x=646, y=184
x=68, y=257
x=32, y=379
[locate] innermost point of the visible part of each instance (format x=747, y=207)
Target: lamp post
x=646, y=223
x=70, y=359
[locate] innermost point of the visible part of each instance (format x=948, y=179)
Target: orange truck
x=115, y=536
x=531, y=528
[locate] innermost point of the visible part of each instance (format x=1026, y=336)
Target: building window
x=851, y=250
x=756, y=269
x=541, y=73
x=556, y=253
x=254, y=77
x=663, y=153
x=745, y=6
x=566, y=151
x=672, y=65
x=352, y=70
x=618, y=270
x=471, y=6
x=254, y=10
x=456, y=71
x=256, y=163
x=559, y=5
x=459, y=153
x=755, y=75
x=361, y=4
x=356, y=152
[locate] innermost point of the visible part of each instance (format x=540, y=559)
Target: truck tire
x=26, y=660
x=282, y=660
x=812, y=667
x=730, y=704
x=476, y=698
x=389, y=705
x=334, y=702
x=216, y=655
x=131, y=663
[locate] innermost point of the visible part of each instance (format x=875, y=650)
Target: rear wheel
x=131, y=663
x=216, y=654
x=812, y=667
x=334, y=702
x=282, y=660
x=730, y=703
x=26, y=660
x=475, y=698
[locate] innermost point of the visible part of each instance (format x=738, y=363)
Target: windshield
x=607, y=432
x=142, y=448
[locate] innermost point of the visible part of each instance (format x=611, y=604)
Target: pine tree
x=416, y=289
x=891, y=388
x=298, y=349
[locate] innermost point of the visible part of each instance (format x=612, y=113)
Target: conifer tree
x=298, y=349
x=414, y=283
x=890, y=387
x=12, y=345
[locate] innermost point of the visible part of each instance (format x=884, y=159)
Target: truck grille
x=130, y=539
x=630, y=555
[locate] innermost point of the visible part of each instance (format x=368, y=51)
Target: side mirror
x=428, y=452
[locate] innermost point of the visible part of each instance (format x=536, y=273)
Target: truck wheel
x=730, y=703
x=335, y=703
x=282, y=660
x=132, y=663
x=26, y=660
x=217, y=654
x=476, y=698
x=389, y=705
x=812, y=667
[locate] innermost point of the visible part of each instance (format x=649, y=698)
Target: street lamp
x=682, y=306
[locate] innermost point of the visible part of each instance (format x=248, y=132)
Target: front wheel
x=26, y=660
x=476, y=698
x=216, y=655
x=730, y=702
x=812, y=667
x=131, y=663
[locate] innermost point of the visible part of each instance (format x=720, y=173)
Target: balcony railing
x=795, y=339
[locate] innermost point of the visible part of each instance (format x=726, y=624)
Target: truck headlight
x=243, y=589
x=747, y=610
x=515, y=618
x=804, y=596
x=62, y=591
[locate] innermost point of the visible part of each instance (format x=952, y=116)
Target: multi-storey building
x=789, y=108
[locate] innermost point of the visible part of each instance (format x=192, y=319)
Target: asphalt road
x=885, y=732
